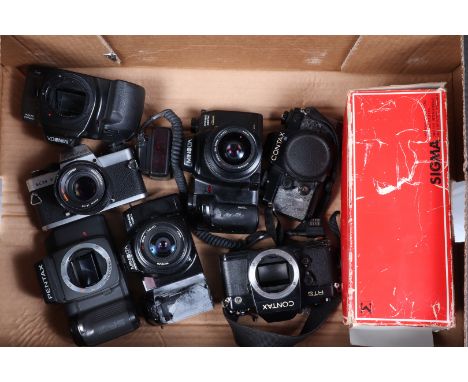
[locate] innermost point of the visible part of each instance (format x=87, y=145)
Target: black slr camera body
x=224, y=156
x=70, y=106
x=279, y=283
x=81, y=271
x=83, y=184
x=161, y=249
x=302, y=159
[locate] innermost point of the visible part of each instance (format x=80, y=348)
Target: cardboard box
x=396, y=226
x=268, y=75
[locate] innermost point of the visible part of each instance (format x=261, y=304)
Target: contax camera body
x=81, y=271
x=303, y=159
x=70, y=106
x=281, y=282
x=161, y=249
x=224, y=157
x=83, y=184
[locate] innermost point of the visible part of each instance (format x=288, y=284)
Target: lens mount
x=66, y=102
x=233, y=153
x=102, y=258
x=162, y=247
x=290, y=262
x=82, y=187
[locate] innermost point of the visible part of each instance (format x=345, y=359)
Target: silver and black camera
x=82, y=184
x=161, y=249
x=279, y=283
x=81, y=271
x=303, y=158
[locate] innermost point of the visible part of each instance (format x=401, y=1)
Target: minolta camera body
x=82, y=272
x=161, y=249
x=224, y=157
x=82, y=184
x=281, y=282
x=70, y=106
x=303, y=158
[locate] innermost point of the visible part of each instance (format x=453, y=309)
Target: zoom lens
x=233, y=153
x=83, y=188
x=162, y=247
x=235, y=148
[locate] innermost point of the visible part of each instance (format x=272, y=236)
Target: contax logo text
x=278, y=305
x=276, y=149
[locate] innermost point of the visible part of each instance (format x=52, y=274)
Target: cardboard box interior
x=260, y=74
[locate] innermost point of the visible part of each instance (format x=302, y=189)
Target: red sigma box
x=396, y=230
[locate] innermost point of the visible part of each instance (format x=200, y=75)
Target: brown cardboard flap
x=403, y=54
x=234, y=52
x=61, y=51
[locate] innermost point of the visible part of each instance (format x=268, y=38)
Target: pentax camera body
x=81, y=271
x=70, y=106
x=161, y=249
x=281, y=282
x=303, y=158
x=82, y=184
x=224, y=157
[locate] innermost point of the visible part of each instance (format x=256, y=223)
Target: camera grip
x=232, y=217
x=104, y=323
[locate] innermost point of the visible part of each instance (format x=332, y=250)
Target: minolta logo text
x=278, y=305
x=188, y=153
x=45, y=283
x=58, y=140
x=276, y=149
x=129, y=258
x=130, y=220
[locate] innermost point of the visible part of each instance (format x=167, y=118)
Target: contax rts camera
x=224, y=157
x=281, y=282
x=81, y=271
x=161, y=249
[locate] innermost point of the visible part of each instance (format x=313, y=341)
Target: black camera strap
x=250, y=336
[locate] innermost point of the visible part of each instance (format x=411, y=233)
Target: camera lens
x=235, y=148
x=162, y=245
x=84, y=188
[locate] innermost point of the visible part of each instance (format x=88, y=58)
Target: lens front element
x=235, y=148
x=162, y=245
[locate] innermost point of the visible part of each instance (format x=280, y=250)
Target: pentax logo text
x=45, y=283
